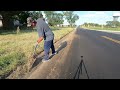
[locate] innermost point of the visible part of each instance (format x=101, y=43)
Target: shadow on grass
x=6, y=75
x=6, y=32
x=27, y=30
x=39, y=59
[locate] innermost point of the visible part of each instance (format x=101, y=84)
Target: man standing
x=45, y=33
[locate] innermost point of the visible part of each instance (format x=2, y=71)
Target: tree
x=49, y=15
x=85, y=24
x=109, y=23
x=23, y=17
x=71, y=17
x=35, y=14
x=54, y=18
x=116, y=23
x=58, y=19
x=113, y=23
x=8, y=18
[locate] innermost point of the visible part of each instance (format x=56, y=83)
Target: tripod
x=79, y=70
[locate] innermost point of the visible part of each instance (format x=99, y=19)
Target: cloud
x=98, y=14
x=116, y=14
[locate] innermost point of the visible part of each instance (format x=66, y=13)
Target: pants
x=47, y=46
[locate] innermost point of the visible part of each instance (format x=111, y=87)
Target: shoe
x=45, y=60
x=54, y=53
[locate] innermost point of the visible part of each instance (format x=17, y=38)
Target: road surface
x=101, y=56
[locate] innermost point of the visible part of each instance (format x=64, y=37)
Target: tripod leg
x=86, y=70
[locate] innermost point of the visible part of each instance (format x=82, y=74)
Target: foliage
x=8, y=18
x=35, y=14
x=71, y=17
x=54, y=18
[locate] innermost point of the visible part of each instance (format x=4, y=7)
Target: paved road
x=101, y=56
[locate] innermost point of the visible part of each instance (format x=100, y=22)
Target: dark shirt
x=44, y=30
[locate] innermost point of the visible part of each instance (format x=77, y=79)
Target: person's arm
x=40, y=30
x=40, y=39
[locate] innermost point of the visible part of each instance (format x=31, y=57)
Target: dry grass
x=104, y=28
x=16, y=51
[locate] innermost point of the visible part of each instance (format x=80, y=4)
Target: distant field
x=100, y=28
x=17, y=49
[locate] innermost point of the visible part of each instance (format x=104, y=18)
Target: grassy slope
x=99, y=28
x=17, y=49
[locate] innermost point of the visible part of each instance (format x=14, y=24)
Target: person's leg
x=52, y=47
x=47, y=45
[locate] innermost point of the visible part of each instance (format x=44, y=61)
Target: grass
x=104, y=28
x=17, y=49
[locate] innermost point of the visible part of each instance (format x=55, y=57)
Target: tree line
x=52, y=17
x=109, y=24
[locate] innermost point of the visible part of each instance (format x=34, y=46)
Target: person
x=16, y=23
x=44, y=32
x=33, y=24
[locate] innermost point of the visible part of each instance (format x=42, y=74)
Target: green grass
x=17, y=49
x=104, y=28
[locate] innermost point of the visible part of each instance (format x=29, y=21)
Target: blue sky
x=99, y=17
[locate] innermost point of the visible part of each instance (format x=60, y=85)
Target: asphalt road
x=101, y=57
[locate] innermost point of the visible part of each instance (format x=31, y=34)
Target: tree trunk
x=6, y=23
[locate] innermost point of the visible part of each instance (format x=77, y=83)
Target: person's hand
x=36, y=45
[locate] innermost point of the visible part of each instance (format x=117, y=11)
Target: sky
x=99, y=17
